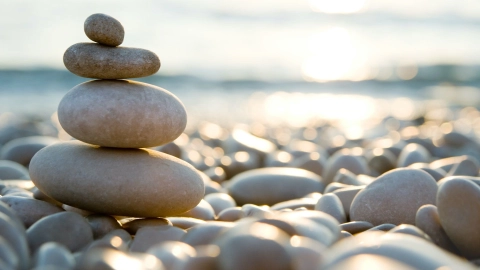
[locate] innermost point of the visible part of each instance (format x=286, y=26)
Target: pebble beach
x=129, y=175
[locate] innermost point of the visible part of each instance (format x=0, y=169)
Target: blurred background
x=275, y=61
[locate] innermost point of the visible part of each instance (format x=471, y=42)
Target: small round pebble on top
x=104, y=29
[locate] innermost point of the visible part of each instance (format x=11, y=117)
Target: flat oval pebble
x=133, y=182
x=123, y=114
x=331, y=204
x=8, y=255
x=102, y=224
x=92, y=60
x=202, y=211
x=104, y=29
x=273, y=185
x=12, y=170
x=345, y=158
x=172, y=252
x=30, y=210
x=147, y=237
x=458, y=203
x=21, y=150
x=132, y=225
x=394, y=197
x=231, y=214
x=52, y=255
x=15, y=235
x=220, y=201
x=67, y=228
x=203, y=234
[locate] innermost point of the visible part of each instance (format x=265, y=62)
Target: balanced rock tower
x=109, y=170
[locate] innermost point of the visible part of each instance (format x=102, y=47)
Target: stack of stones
x=109, y=170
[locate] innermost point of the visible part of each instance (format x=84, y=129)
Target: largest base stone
x=127, y=182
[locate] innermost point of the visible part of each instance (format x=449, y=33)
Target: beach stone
x=13, y=217
x=411, y=230
x=242, y=140
x=407, y=249
x=172, y=253
x=202, y=211
x=308, y=203
x=39, y=195
x=458, y=203
x=346, y=177
x=354, y=227
x=66, y=228
x=204, y=234
x=278, y=158
x=111, y=241
x=220, y=201
x=230, y=214
x=30, y=210
x=8, y=255
x=446, y=164
x=12, y=170
x=381, y=160
x=52, y=255
x=368, y=262
x=273, y=185
x=314, y=162
x=331, y=204
x=428, y=220
x=204, y=259
x=413, y=153
x=104, y=29
x=346, y=196
x=239, y=162
x=345, y=234
x=466, y=166
x=334, y=186
x=437, y=174
x=92, y=60
x=134, y=182
x=16, y=192
x=185, y=222
x=216, y=174
x=102, y=224
x=23, y=184
x=15, y=236
x=79, y=211
x=318, y=217
x=124, y=114
x=147, y=237
x=21, y=150
x=107, y=258
x=132, y=225
x=306, y=253
x=382, y=227
x=394, y=197
x=345, y=158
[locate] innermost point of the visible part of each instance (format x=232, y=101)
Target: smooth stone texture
x=30, y=210
x=79, y=211
x=411, y=230
x=147, y=237
x=345, y=176
x=16, y=238
x=121, y=113
x=231, y=214
x=308, y=203
x=354, y=227
x=252, y=210
x=185, y=222
x=318, y=217
x=331, y=204
x=102, y=224
x=220, y=201
x=413, y=153
x=394, y=197
x=8, y=255
x=346, y=196
x=306, y=253
x=409, y=250
x=204, y=259
x=21, y=150
x=273, y=185
x=53, y=255
x=204, y=234
x=172, y=253
x=12, y=170
x=314, y=162
x=39, y=195
x=382, y=227
x=345, y=158
x=134, y=182
x=427, y=220
x=13, y=217
x=67, y=228
x=466, y=165
x=334, y=186
x=203, y=211
x=458, y=203
x=115, y=240
x=132, y=225
x=104, y=29
x=92, y=60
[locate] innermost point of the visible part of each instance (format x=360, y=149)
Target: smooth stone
x=369, y=262
x=427, y=220
x=30, y=210
x=39, y=195
x=107, y=258
x=16, y=238
x=79, y=211
x=102, y=224
x=446, y=164
x=413, y=153
x=66, y=228
x=436, y=174
x=185, y=222
x=411, y=230
x=410, y=250
x=345, y=158
x=273, y=185
x=134, y=182
x=16, y=192
x=230, y=214
x=172, y=253
x=354, y=227
x=132, y=225
x=331, y=204
x=394, y=197
x=346, y=196
x=345, y=234
x=382, y=227
x=253, y=246
x=216, y=174
x=314, y=162
x=458, y=203
x=53, y=255
x=92, y=60
x=12, y=170
x=306, y=253
x=104, y=29
x=23, y=184
x=204, y=259
x=251, y=210
x=203, y=211
x=318, y=217
x=381, y=160
x=147, y=237
x=204, y=234
x=334, y=186
x=238, y=162
x=220, y=201
x=21, y=150
x=466, y=166
x=345, y=176
x=241, y=140
x=121, y=233
x=8, y=255
x=121, y=113
x=110, y=241
x=13, y=217
x=278, y=159
x=308, y=203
